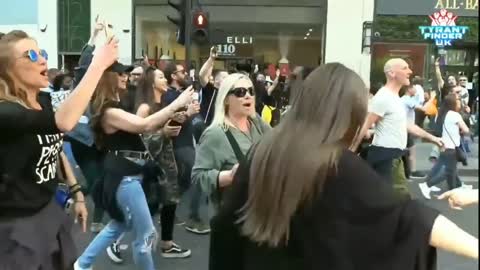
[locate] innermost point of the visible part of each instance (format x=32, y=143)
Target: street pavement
x=466, y=219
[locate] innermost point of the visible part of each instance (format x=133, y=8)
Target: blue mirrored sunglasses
x=33, y=55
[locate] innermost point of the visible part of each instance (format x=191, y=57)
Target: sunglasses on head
x=241, y=91
x=33, y=55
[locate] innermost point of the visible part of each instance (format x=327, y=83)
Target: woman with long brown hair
x=128, y=171
x=304, y=201
x=450, y=126
x=151, y=88
x=34, y=229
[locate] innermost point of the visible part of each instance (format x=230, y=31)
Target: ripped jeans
x=131, y=199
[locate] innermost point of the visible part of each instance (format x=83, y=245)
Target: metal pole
x=188, y=34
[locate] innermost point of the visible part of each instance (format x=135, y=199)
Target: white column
x=118, y=13
x=139, y=39
x=344, y=34
x=47, y=30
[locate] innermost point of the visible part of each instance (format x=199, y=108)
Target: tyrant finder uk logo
x=443, y=29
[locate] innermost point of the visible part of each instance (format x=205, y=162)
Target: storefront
x=255, y=32
x=303, y=32
x=398, y=33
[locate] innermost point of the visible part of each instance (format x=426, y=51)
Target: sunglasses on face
x=241, y=91
x=34, y=55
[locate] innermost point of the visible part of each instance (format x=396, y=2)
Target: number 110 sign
x=226, y=50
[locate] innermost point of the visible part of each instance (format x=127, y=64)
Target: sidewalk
x=423, y=164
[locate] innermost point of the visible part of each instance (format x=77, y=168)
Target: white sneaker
x=435, y=189
x=425, y=190
x=77, y=267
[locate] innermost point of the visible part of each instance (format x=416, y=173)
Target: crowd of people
x=278, y=160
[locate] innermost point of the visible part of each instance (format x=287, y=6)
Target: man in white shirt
x=391, y=127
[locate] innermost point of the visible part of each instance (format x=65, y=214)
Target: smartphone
x=174, y=123
x=195, y=97
x=108, y=31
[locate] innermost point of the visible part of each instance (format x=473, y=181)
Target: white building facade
x=36, y=17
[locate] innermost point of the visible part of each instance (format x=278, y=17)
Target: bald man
x=387, y=113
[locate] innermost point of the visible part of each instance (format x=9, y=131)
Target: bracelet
x=75, y=189
x=74, y=186
x=73, y=192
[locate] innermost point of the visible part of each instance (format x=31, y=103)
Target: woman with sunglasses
x=34, y=229
x=234, y=129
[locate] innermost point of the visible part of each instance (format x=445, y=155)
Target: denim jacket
x=83, y=132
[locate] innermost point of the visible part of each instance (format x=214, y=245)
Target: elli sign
x=443, y=29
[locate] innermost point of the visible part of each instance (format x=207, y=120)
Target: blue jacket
x=83, y=132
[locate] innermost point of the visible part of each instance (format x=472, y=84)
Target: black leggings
x=167, y=218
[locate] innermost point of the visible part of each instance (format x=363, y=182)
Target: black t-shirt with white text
x=30, y=143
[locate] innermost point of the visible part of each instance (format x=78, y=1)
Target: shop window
x=74, y=25
x=255, y=34
x=456, y=58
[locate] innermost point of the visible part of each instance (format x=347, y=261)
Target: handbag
x=459, y=153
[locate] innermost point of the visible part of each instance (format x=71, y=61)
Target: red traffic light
x=200, y=20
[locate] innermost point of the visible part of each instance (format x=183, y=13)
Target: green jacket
x=214, y=154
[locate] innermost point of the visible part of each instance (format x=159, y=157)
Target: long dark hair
x=289, y=171
x=106, y=94
x=144, y=92
x=449, y=103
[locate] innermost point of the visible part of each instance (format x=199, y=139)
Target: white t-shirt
x=410, y=103
x=451, y=125
x=391, y=130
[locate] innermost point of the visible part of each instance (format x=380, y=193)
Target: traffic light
x=179, y=22
x=200, y=22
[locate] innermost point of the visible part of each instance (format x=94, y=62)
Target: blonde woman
x=234, y=129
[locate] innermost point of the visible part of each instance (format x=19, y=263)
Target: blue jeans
x=445, y=167
x=131, y=200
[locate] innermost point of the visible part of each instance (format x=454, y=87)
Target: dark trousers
x=185, y=157
x=90, y=161
x=381, y=160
